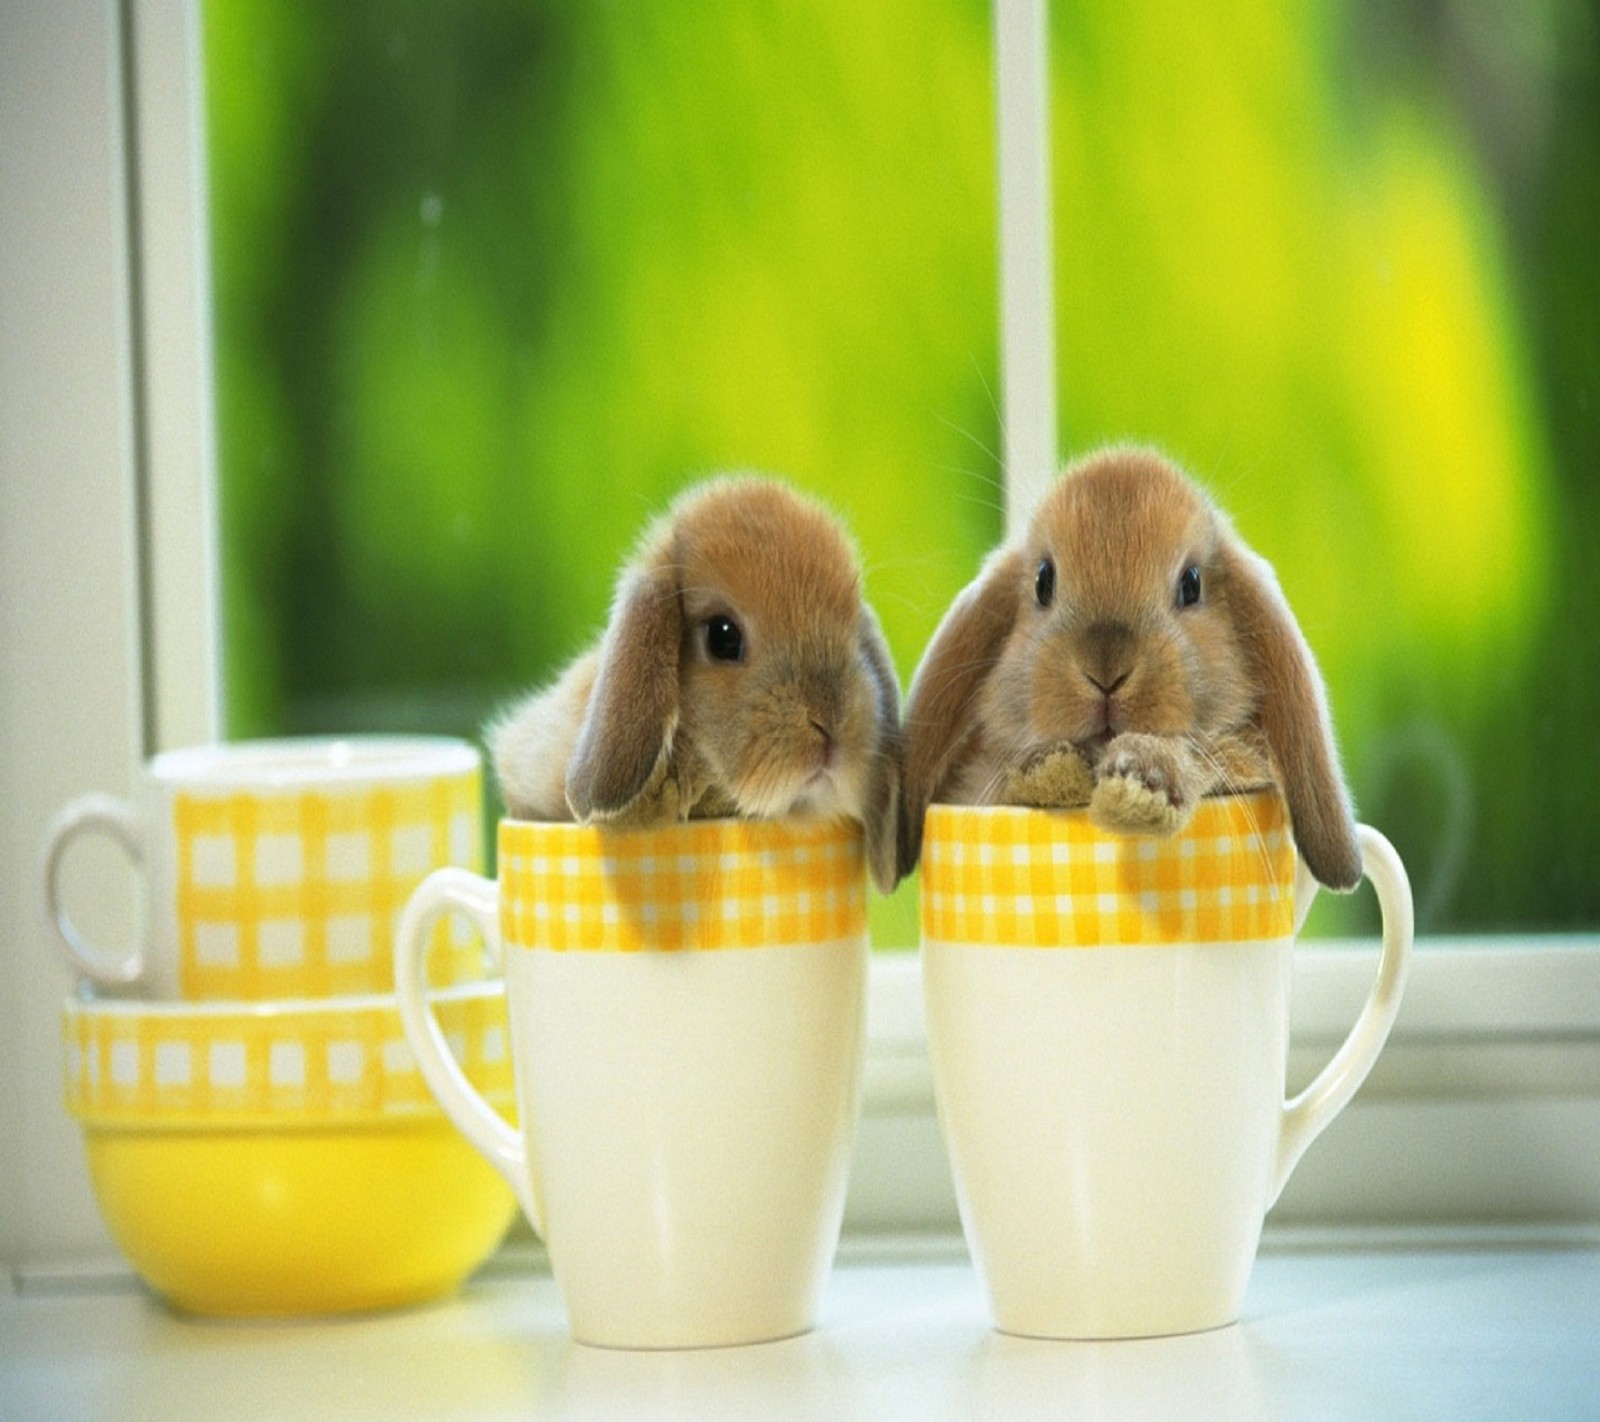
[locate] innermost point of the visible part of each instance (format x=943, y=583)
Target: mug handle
x=119, y=819
x=1308, y=1115
x=444, y=891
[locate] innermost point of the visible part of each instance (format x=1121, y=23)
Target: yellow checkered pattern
x=1011, y=877
x=147, y=1067
x=296, y=894
x=708, y=884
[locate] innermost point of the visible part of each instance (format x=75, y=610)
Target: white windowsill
x=1484, y=1106
x=1466, y=1325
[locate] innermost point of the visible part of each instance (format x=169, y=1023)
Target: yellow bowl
x=286, y=1158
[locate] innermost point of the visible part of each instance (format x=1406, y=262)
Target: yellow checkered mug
x=277, y=869
x=1108, y=1021
x=686, y=1011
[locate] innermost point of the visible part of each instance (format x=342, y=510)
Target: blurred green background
x=493, y=280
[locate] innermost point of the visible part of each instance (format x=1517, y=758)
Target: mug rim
x=305, y=762
x=375, y=1087
x=696, y=884
x=1080, y=813
x=222, y=1009
x=754, y=821
x=728, y=832
x=1009, y=876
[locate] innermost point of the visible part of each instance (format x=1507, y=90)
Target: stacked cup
x=259, y=1136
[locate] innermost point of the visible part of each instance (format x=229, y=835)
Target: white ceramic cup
x=1108, y=1020
x=277, y=869
x=686, y=1011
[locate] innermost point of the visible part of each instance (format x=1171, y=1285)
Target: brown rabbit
x=741, y=674
x=1130, y=653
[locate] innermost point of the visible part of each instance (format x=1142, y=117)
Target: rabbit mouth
x=821, y=793
x=1094, y=746
x=817, y=792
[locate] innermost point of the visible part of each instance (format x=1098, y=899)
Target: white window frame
x=1485, y=1106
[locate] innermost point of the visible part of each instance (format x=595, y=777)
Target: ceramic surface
x=687, y=1017
x=1108, y=1023
x=286, y=1159
x=277, y=869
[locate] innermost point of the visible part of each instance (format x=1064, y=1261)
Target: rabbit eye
x=724, y=640
x=1044, y=586
x=1189, y=586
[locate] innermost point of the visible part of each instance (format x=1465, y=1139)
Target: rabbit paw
x=1143, y=786
x=699, y=796
x=1060, y=779
x=661, y=802
x=712, y=803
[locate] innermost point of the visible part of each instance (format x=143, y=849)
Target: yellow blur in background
x=494, y=280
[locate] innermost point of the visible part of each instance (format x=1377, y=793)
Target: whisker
x=1225, y=783
x=999, y=417
x=967, y=434
x=979, y=501
x=987, y=660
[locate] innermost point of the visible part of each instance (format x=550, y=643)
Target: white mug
x=1108, y=1020
x=687, y=1010
x=277, y=869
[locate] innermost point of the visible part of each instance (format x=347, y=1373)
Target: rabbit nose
x=825, y=745
x=1108, y=655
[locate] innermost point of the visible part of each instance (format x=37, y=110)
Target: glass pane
x=1342, y=260
x=492, y=281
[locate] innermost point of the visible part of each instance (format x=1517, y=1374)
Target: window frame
x=1498, y=1040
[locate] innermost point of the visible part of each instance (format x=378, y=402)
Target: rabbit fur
x=1126, y=652
x=659, y=723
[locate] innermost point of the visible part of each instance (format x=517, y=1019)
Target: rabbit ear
x=1293, y=716
x=633, y=709
x=880, y=811
x=942, y=706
